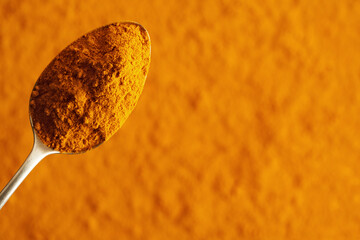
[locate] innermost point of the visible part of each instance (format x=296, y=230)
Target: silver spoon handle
x=38, y=152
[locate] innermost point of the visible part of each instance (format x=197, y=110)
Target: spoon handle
x=38, y=152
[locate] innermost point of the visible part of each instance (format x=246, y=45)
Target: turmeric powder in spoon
x=87, y=92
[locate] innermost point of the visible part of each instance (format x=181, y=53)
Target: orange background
x=248, y=126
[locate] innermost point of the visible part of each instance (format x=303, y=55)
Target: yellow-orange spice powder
x=87, y=92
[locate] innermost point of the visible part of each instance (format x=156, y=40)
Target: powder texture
x=87, y=92
x=247, y=128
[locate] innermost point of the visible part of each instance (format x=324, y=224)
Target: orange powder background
x=248, y=126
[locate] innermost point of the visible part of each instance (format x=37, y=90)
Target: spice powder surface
x=87, y=92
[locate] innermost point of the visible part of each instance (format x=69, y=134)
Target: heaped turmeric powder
x=87, y=92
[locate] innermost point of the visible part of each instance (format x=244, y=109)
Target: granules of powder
x=87, y=92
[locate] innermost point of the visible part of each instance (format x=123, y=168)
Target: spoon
x=85, y=94
x=38, y=152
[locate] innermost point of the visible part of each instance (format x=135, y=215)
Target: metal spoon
x=38, y=152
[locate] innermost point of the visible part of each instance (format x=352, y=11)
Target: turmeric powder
x=251, y=132
x=87, y=92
